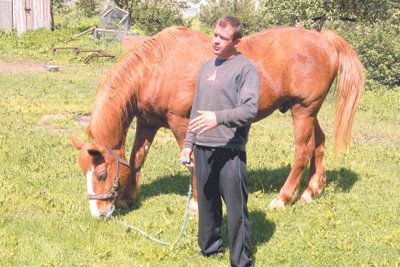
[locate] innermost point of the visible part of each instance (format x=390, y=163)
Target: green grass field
x=44, y=213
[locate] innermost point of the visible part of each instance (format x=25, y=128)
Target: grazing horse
x=155, y=82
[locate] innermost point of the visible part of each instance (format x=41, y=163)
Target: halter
x=113, y=193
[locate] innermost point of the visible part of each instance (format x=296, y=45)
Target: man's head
x=227, y=34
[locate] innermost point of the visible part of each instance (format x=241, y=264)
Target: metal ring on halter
x=113, y=193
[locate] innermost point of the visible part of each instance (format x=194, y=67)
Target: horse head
x=107, y=173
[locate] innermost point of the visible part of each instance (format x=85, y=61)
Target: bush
x=87, y=7
x=242, y=9
x=154, y=16
x=379, y=50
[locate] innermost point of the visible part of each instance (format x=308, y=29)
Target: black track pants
x=221, y=173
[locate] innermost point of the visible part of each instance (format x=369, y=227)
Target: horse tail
x=350, y=81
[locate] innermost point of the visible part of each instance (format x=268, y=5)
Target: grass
x=37, y=45
x=45, y=219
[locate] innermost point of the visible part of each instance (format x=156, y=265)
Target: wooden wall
x=6, y=18
x=25, y=14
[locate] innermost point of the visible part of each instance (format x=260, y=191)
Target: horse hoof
x=306, y=197
x=193, y=207
x=277, y=204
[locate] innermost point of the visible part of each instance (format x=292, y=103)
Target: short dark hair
x=235, y=23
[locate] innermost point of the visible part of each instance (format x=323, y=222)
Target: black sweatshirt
x=231, y=89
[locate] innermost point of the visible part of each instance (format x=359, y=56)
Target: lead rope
x=189, y=195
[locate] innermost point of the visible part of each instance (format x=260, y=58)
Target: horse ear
x=78, y=144
x=94, y=150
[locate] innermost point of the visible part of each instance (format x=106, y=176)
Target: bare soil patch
x=18, y=67
x=53, y=123
x=84, y=120
x=49, y=123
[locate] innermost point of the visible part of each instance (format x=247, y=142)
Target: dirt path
x=17, y=67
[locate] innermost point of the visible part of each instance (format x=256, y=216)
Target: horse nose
x=108, y=213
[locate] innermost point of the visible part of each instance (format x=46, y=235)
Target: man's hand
x=204, y=122
x=185, y=156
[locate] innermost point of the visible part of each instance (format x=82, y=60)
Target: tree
x=245, y=10
x=313, y=13
x=152, y=16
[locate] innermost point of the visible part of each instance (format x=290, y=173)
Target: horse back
x=295, y=65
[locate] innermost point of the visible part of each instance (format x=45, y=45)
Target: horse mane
x=114, y=106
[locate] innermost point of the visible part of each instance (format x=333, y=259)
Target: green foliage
x=271, y=13
x=71, y=17
x=243, y=9
x=77, y=9
x=154, y=16
x=379, y=49
x=278, y=12
x=37, y=44
x=87, y=7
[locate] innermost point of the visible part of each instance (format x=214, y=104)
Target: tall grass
x=44, y=214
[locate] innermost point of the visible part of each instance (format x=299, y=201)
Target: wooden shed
x=25, y=14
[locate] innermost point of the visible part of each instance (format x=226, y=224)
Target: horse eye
x=102, y=176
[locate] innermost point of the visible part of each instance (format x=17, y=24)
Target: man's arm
x=246, y=112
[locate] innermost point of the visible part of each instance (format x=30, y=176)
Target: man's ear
x=78, y=144
x=237, y=42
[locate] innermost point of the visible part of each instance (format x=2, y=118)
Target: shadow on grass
x=264, y=180
x=262, y=229
x=343, y=179
x=175, y=184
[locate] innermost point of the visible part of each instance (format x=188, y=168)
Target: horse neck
x=118, y=92
x=114, y=107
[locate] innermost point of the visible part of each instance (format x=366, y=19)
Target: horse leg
x=303, y=123
x=178, y=127
x=143, y=139
x=317, y=181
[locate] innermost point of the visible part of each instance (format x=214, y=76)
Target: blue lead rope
x=189, y=195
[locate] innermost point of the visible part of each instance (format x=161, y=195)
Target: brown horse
x=155, y=81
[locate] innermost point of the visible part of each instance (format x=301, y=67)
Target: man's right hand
x=185, y=156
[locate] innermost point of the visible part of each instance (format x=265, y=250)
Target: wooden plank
x=19, y=16
x=41, y=14
x=47, y=14
x=6, y=14
x=31, y=14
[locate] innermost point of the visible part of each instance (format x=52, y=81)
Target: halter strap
x=117, y=158
x=113, y=193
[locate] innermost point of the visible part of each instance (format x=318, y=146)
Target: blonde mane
x=114, y=107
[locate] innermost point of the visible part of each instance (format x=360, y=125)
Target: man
x=224, y=106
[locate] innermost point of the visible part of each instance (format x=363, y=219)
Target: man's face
x=223, y=44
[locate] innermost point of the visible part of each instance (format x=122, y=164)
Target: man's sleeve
x=190, y=137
